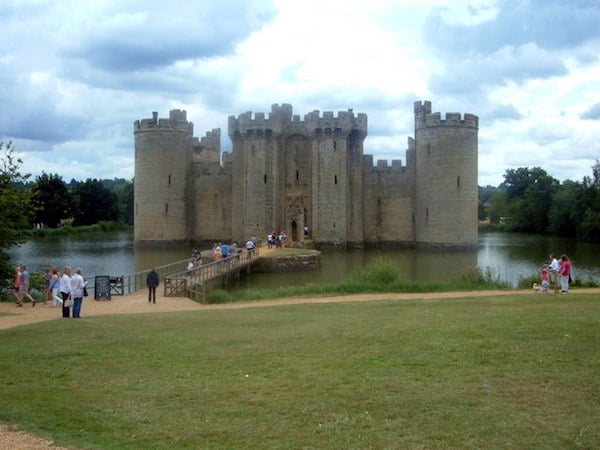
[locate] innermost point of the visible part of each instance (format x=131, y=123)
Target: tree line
x=48, y=201
x=55, y=203
x=530, y=200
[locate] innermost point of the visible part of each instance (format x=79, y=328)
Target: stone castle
x=291, y=173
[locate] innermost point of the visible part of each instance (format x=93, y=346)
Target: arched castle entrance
x=295, y=216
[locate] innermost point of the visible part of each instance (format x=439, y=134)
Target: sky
x=75, y=75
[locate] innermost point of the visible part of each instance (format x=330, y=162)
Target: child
x=545, y=279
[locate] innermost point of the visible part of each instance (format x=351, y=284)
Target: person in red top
x=565, y=273
x=18, y=287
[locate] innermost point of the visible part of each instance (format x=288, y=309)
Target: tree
x=94, y=203
x=124, y=192
x=596, y=174
x=485, y=193
x=529, y=194
x=564, y=215
x=51, y=200
x=14, y=208
x=498, y=208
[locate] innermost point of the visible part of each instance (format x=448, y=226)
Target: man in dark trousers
x=152, y=283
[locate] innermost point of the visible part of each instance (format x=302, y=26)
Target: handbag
x=68, y=303
x=85, y=294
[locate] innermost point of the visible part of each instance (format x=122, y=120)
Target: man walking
x=152, y=283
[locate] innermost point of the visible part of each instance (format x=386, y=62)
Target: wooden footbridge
x=195, y=282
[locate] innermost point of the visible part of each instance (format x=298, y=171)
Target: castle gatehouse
x=308, y=177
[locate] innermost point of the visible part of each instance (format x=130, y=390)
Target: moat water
x=509, y=256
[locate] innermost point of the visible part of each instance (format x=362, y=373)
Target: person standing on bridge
x=152, y=283
x=250, y=245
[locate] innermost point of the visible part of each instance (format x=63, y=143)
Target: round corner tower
x=446, y=177
x=163, y=156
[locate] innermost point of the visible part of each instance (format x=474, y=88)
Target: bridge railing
x=127, y=284
x=192, y=282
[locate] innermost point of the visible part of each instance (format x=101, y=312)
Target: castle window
x=334, y=146
x=335, y=179
x=297, y=175
x=427, y=215
x=265, y=178
x=169, y=181
x=166, y=208
x=428, y=150
x=252, y=150
x=457, y=182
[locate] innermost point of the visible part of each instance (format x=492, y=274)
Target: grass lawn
x=500, y=372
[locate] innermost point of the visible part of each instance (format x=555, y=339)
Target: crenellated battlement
x=281, y=120
x=177, y=121
x=383, y=165
x=212, y=139
x=425, y=118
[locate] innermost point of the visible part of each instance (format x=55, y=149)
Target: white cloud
x=75, y=75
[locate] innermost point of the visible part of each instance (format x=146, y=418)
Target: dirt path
x=11, y=316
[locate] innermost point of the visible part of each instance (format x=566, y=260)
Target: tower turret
x=446, y=177
x=163, y=155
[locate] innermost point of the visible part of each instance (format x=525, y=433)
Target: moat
x=507, y=255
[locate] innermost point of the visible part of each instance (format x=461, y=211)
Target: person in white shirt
x=77, y=286
x=65, y=291
x=554, y=271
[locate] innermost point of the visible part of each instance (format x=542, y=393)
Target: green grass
x=499, y=372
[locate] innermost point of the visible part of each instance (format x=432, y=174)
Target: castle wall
x=212, y=199
x=330, y=190
x=162, y=186
x=286, y=172
x=297, y=184
x=255, y=184
x=446, y=167
x=389, y=203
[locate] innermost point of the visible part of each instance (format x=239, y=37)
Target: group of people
x=222, y=250
x=276, y=240
x=556, y=273
x=66, y=290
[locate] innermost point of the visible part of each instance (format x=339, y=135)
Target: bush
x=477, y=277
x=525, y=282
x=219, y=296
x=378, y=271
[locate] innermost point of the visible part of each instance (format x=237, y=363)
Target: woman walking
x=18, y=288
x=54, y=284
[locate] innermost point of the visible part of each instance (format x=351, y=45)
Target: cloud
x=507, y=23
x=508, y=64
x=129, y=39
x=593, y=113
x=75, y=75
x=501, y=112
